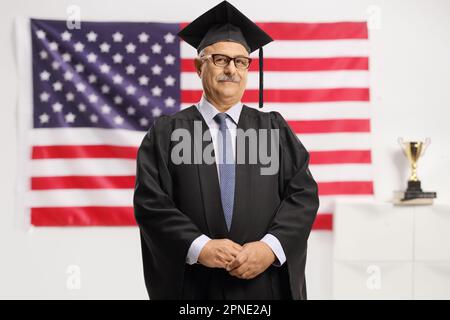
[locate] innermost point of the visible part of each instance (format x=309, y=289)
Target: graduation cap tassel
x=261, y=80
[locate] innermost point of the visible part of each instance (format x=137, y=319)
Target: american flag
x=97, y=90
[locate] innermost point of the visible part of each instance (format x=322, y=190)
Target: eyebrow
x=226, y=54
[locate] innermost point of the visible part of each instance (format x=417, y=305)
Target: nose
x=230, y=68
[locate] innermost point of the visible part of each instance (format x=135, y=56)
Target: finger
x=217, y=258
x=234, y=264
x=238, y=261
x=228, y=254
x=235, y=273
x=224, y=253
x=238, y=272
x=233, y=252
x=227, y=260
x=237, y=247
x=224, y=258
x=249, y=274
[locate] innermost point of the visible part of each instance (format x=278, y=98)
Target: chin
x=228, y=95
x=229, y=91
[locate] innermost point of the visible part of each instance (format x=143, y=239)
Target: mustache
x=224, y=77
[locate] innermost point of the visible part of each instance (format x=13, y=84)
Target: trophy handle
x=401, y=143
x=425, y=145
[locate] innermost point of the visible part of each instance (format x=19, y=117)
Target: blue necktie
x=226, y=168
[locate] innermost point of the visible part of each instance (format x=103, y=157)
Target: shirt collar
x=208, y=111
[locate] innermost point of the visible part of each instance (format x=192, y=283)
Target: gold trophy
x=413, y=150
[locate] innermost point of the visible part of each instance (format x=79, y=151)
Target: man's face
x=223, y=84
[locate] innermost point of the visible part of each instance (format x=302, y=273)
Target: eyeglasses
x=222, y=61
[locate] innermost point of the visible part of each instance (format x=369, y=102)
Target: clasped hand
x=244, y=262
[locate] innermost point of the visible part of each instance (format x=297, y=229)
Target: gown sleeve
x=298, y=190
x=166, y=232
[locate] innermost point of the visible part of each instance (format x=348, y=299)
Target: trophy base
x=414, y=186
x=414, y=191
x=409, y=195
x=405, y=198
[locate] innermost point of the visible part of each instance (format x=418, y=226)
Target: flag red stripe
x=312, y=31
x=324, y=221
x=327, y=126
x=291, y=95
x=127, y=182
x=345, y=188
x=82, y=182
x=292, y=64
x=66, y=152
x=83, y=216
x=112, y=216
x=315, y=31
x=83, y=151
x=340, y=156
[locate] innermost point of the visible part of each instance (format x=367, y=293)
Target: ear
x=198, y=66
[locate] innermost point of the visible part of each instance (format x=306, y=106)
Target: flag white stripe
x=315, y=111
x=292, y=80
x=303, y=49
x=342, y=172
x=124, y=197
x=82, y=167
x=86, y=136
x=92, y=136
x=336, y=141
x=77, y=197
x=327, y=203
x=318, y=111
x=120, y=167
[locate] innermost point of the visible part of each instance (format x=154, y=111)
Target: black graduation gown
x=174, y=204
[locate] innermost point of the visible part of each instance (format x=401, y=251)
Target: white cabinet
x=372, y=280
x=383, y=251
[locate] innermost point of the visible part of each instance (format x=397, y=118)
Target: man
x=223, y=229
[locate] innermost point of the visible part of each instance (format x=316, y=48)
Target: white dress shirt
x=208, y=111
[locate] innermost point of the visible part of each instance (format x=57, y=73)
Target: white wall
x=410, y=91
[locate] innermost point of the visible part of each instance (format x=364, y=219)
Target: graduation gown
x=176, y=203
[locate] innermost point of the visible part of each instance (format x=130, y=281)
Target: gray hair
x=201, y=53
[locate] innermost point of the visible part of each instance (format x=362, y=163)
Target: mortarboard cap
x=226, y=23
